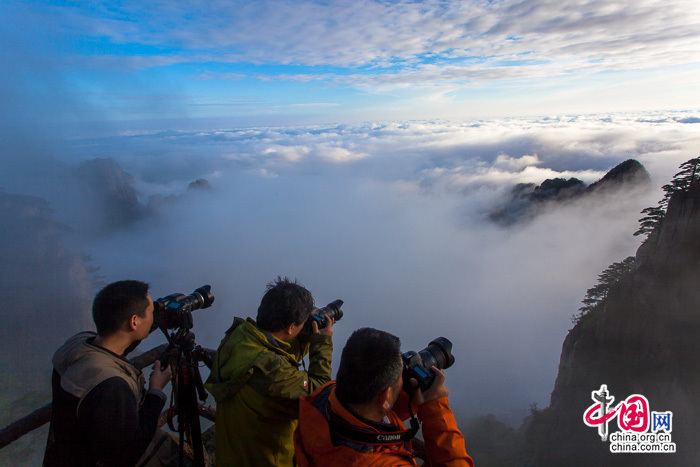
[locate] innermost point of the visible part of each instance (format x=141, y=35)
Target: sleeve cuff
x=433, y=408
x=159, y=393
x=320, y=339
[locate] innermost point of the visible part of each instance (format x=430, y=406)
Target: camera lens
x=438, y=354
x=332, y=310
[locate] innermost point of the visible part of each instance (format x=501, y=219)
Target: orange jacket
x=314, y=446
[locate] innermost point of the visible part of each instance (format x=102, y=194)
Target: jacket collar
x=351, y=418
x=251, y=327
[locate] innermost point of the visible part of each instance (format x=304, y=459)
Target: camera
x=418, y=365
x=175, y=310
x=332, y=310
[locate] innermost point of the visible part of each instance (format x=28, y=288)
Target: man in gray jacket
x=101, y=412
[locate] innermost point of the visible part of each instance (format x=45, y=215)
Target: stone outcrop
x=112, y=189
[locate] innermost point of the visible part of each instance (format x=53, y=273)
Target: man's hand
x=435, y=391
x=326, y=330
x=159, y=378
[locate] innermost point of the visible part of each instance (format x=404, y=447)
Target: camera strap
x=387, y=435
x=415, y=426
x=357, y=435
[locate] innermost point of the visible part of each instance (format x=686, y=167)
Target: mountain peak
x=527, y=199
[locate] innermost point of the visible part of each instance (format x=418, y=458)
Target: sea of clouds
x=391, y=217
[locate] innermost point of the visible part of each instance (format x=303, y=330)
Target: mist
x=391, y=217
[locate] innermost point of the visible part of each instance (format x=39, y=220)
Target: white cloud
x=287, y=153
x=339, y=154
x=516, y=163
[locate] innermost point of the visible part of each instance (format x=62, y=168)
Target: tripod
x=189, y=385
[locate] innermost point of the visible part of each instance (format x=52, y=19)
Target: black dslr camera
x=175, y=310
x=418, y=365
x=332, y=310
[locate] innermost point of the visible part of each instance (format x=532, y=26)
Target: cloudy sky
x=359, y=146
x=284, y=62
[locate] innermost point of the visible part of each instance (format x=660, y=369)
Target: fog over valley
x=391, y=217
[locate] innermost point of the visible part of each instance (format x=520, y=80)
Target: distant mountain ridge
x=527, y=199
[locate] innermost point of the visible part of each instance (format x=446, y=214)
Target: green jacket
x=257, y=386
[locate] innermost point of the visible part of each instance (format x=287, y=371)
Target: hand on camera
x=435, y=391
x=159, y=378
x=328, y=329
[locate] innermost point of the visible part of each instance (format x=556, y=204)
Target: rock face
x=46, y=292
x=644, y=338
x=527, y=199
x=112, y=189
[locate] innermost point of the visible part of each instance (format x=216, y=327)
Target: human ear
x=386, y=399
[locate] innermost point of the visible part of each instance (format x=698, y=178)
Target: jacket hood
x=72, y=351
x=82, y=366
x=242, y=349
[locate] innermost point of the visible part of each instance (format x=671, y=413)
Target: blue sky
x=301, y=62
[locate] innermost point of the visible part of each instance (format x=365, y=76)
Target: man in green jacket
x=256, y=379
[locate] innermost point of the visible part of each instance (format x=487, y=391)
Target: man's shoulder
x=244, y=346
x=84, y=366
x=242, y=330
x=72, y=350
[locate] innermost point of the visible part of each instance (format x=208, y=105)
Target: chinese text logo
x=640, y=430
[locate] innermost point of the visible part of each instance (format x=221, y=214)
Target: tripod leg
x=188, y=413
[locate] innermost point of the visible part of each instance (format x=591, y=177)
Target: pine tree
x=606, y=280
x=690, y=171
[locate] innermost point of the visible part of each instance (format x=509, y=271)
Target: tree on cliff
x=606, y=279
x=690, y=171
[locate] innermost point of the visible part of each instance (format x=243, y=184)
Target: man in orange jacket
x=357, y=419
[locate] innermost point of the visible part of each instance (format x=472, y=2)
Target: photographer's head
x=286, y=305
x=123, y=313
x=370, y=370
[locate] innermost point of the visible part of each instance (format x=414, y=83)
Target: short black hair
x=118, y=302
x=370, y=362
x=284, y=303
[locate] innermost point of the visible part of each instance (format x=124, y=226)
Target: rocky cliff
x=46, y=292
x=644, y=338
